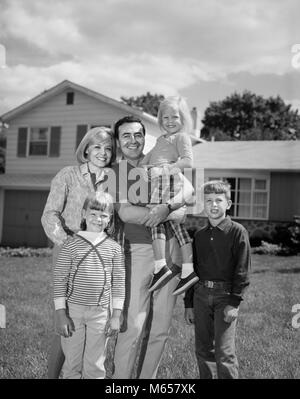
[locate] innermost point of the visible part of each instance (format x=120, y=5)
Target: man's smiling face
x=131, y=140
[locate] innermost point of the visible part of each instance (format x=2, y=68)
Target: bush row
x=284, y=240
x=23, y=252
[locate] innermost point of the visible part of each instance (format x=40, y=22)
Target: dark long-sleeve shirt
x=222, y=253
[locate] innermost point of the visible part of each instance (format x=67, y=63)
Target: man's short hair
x=217, y=187
x=128, y=119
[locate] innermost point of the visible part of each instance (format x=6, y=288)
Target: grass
x=267, y=344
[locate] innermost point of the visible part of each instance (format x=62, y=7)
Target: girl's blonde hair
x=100, y=201
x=180, y=104
x=93, y=136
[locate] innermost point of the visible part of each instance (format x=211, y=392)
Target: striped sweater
x=88, y=274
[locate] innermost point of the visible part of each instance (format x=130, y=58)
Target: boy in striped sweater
x=89, y=280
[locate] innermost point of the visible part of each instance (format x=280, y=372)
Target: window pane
x=243, y=211
x=231, y=181
x=232, y=196
x=38, y=141
x=244, y=197
x=260, y=198
x=244, y=184
x=36, y=148
x=38, y=134
x=230, y=211
x=260, y=184
x=259, y=211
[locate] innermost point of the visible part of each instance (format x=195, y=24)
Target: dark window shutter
x=81, y=131
x=55, y=134
x=22, y=142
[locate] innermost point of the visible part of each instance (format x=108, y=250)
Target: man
x=147, y=316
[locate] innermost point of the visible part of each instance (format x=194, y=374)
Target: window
x=38, y=141
x=250, y=197
x=70, y=98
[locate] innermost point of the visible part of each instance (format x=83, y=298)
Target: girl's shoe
x=186, y=283
x=159, y=277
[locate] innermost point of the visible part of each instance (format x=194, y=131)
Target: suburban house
x=44, y=132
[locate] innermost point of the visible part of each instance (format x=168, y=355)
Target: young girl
x=89, y=271
x=69, y=188
x=169, y=157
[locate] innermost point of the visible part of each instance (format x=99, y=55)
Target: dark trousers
x=214, y=338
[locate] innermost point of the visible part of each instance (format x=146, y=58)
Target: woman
x=69, y=188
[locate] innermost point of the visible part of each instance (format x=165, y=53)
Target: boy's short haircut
x=128, y=119
x=217, y=187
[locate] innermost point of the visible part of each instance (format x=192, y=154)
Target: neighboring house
x=264, y=178
x=42, y=136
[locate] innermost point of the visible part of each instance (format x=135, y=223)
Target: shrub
x=25, y=252
x=258, y=236
x=288, y=237
x=267, y=248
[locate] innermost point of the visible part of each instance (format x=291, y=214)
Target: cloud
x=229, y=36
x=129, y=47
x=42, y=25
x=113, y=76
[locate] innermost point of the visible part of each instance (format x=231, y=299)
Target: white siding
x=55, y=112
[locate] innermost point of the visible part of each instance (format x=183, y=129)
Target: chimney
x=196, y=122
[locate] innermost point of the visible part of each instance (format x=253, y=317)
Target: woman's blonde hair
x=180, y=104
x=92, y=136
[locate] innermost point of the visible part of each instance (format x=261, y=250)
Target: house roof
x=26, y=181
x=246, y=155
x=66, y=84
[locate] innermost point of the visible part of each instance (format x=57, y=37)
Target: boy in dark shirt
x=222, y=263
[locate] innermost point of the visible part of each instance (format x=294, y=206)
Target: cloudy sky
x=202, y=49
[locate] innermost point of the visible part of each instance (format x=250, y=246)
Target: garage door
x=22, y=218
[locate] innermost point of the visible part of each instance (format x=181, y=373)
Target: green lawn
x=267, y=344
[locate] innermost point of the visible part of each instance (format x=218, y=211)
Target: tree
x=249, y=116
x=147, y=102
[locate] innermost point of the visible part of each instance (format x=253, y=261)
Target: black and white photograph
x=150, y=192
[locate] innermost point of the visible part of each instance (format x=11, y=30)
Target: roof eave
x=8, y=116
